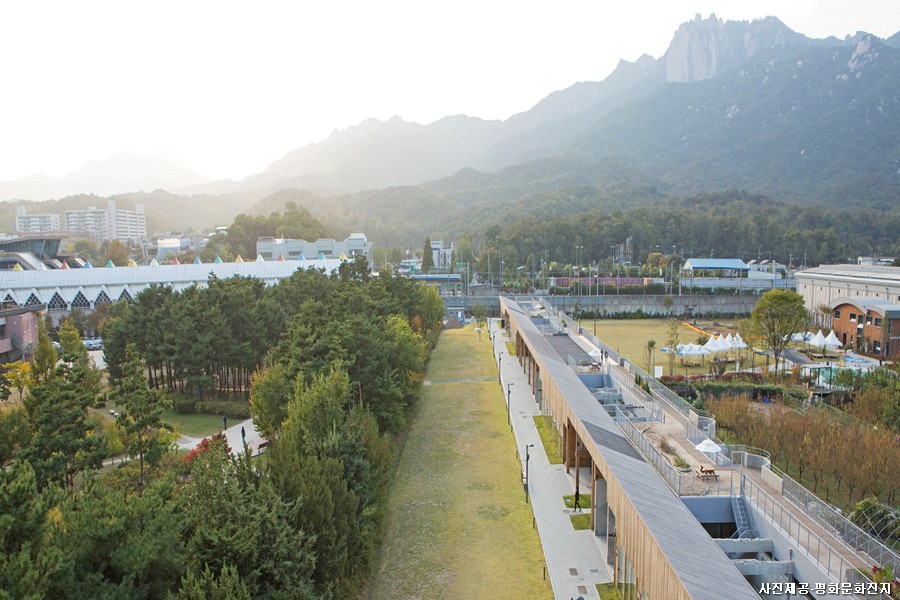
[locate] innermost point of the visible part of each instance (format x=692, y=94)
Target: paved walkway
x=233, y=436
x=575, y=559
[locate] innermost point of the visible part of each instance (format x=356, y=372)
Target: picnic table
x=705, y=474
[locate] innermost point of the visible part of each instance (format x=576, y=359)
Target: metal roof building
x=65, y=289
x=821, y=286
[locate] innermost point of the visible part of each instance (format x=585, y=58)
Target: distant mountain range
x=731, y=104
x=751, y=105
x=121, y=173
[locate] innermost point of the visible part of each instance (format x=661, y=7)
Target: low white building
x=65, y=289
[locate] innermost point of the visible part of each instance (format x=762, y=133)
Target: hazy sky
x=228, y=87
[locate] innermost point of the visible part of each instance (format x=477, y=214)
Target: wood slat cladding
x=672, y=556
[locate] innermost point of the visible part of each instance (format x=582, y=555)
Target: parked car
x=93, y=343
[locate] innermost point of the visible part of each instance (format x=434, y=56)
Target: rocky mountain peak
x=704, y=48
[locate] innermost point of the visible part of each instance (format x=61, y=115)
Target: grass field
x=457, y=525
x=630, y=337
x=196, y=425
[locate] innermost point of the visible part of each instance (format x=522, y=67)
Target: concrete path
x=233, y=436
x=575, y=559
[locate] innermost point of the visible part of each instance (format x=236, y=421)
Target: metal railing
x=681, y=484
x=625, y=382
x=837, y=524
x=816, y=549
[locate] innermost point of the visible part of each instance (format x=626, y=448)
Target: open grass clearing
x=192, y=425
x=195, y=425
x=630, y=337
x=456, y=523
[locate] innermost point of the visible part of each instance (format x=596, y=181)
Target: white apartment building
x=26, y=223
x=109, y=223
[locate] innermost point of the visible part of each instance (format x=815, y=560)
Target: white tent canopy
x=818, y=340
x=714, y=345
x=831, y=341
x=708, y=445
x=692, y=350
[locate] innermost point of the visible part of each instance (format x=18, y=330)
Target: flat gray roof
x=705, y=571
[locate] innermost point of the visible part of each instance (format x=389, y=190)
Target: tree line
x=337, y=371
x=729, y=224
x=845, y=461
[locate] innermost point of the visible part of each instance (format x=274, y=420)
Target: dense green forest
x=548, y=225
x=336, y=362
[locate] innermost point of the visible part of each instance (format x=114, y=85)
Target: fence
x=817, y=549
x=625, y=382
x=682, y=484
x=837, y=524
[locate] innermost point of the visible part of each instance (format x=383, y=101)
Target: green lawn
x=630, y=337
x=608, y=591
x=550, y=446
x=192, y=425
x=456, y=523
x=570, y=500
x=195, y=425
x=581, y=521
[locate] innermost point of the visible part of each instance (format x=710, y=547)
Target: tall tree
x=270, y=393
x=15, y=433
x=427, y=257
x=18, y=374
x=45, y=356
x=141, y=414
x=118, y=253
x=28, y=557
x=778, y=315
x=672, y=335
x=239, y=520
x=63, y=443
x=75, y=353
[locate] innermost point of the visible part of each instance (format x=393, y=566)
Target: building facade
x=323, y=249
x=442, y=255
x=110, y=223
x=26, y=223
x=63, y=290
x=821, y=286
x=19, y=332
x=868, y=326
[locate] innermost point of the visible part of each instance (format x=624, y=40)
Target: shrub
x=237, y=410
x=183, y=405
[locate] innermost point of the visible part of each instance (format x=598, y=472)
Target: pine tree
x=63, y=443
x=45, y=356
x=141, y=414
x=28, y=557
x=427, y=257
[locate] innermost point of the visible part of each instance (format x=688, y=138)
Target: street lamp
x=527, y=457
x=499, y=359
x=508, y=391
